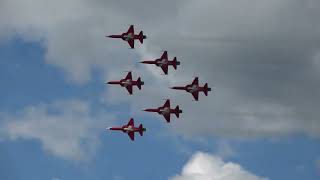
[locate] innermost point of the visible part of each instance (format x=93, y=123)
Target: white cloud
x=203, y=166
x=72, y=32
x=251, y=53
x=67, y=129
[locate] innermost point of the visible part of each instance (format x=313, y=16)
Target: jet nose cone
x=112, y=36
x=108, y=128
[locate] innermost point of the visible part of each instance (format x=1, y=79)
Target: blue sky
x=153, y=156
x=54, y=105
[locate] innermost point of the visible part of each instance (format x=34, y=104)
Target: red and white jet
x=194, y=88
x=129, y=36
x=127, y=82
x=164, y=62
x=129, y=129
x=165, y=110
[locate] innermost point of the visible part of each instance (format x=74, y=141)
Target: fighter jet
x=129, y=129
x=164, y=62
x=127, y=82
x=166, y=111
x=129, y=36
x=194, y=88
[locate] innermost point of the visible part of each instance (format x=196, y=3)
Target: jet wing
x=131, y=135
x=131, y=43
x=167, y=117
x=131, y=122
x=129, y=89
x=195, y=81
x=167, y=103
x=195, y=95
x=129, y=76
x=164, y=68
x=164, y=55
x=130, y=30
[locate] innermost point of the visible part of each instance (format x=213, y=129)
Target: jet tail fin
x=177, y=111
x=141, y=129
x=206, y=89
x=139, y=83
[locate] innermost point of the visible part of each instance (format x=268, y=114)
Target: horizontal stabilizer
x=142, y=37
x=206, y=89
x=175, y=63
x=141, y=130
x=139, y=83
x=177, y=111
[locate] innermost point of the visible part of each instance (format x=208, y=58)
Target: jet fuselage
x=126, y=82
x=127, y=37
x=165, y=110
x=161, y=62
x=193, y=88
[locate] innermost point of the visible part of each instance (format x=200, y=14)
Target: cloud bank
x=66, y=129
x=262, y=57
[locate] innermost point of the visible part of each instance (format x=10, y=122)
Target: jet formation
x=163, y=62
